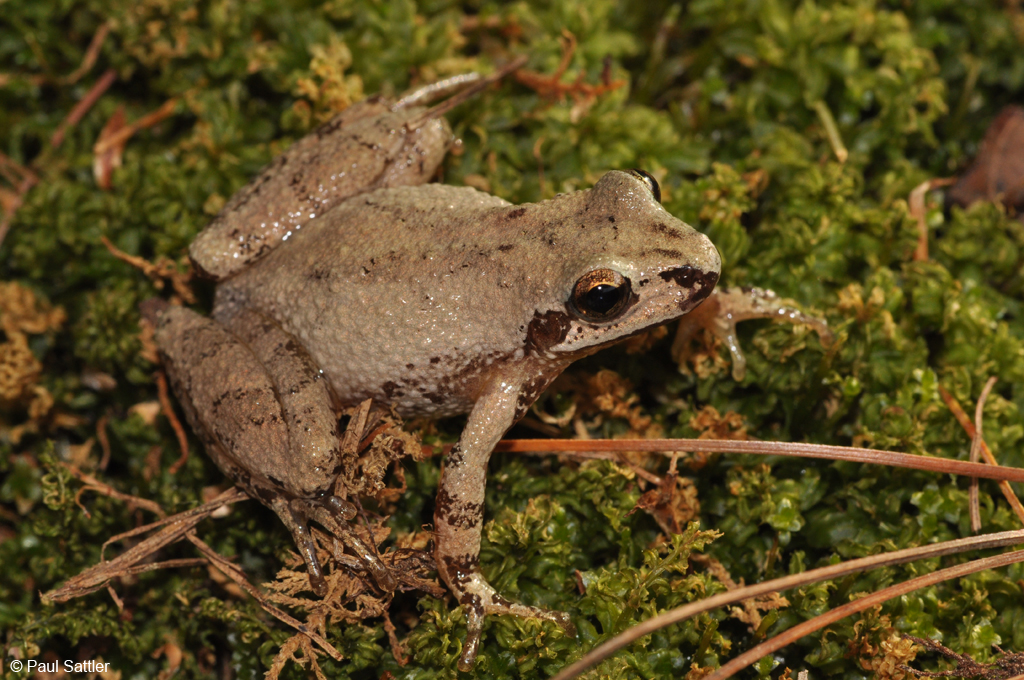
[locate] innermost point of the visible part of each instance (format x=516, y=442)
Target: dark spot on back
x=517, y=213
x=505, y=248
x=674, y=254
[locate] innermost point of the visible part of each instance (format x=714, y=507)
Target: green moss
x=741, y=111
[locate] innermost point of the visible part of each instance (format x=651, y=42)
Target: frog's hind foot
x=478, y=599
x=464, y=86
x=333, y=514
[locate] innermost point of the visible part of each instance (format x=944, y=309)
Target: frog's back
x=399, y=295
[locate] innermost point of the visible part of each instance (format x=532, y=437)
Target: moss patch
x=791, y=132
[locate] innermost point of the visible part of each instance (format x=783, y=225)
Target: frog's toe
x=332, y=513
x=474, y=630
x=317, y=582
x=475, y=612
x=340, y=508
x=296, y=523
x=485, y=602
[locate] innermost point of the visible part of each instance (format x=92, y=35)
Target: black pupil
x=603, y=297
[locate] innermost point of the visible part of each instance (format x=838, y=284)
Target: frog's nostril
x=708, y=285
x=701, y=283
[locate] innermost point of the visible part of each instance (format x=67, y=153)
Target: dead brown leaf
x=109, y=148
x=997, y=174
x=672, y=504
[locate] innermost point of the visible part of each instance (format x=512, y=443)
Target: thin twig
x=91, y=54
x=82, y=107
x=966, y=666
x=98, y=576
x=232, y=495
x=167, y=564
x=916, y=207
x=124, y=134
x=174, y=528
x=1004, y=486
x=157, y=271
x=168, y=411
x=973, y=502
x=23, y=183
x=438, y=110
x=627, y=637
x=867, y=602
x=93, y=484
x=764, y=448
x=113, y=596
x=552, y=87
x=835, y=140
x=104, y=440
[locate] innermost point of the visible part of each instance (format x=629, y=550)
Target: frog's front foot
x=333, y=514
x=478, y=599
x=726, y=307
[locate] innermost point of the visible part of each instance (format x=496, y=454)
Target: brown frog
x=343, y=276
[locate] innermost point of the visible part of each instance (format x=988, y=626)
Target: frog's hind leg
x=297, y=524
x=333, y=514
x=263, y=410
x=314, y=459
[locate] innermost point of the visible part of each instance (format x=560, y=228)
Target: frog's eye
x=651, y=183
x=600, y=295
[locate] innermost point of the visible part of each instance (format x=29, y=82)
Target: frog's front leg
x=264, y=412
x=458, y=517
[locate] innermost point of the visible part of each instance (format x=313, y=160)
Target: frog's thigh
x=231, y=401
x=309, y=464
x=313, y=457
x=227, y=396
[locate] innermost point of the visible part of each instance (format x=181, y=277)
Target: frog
x=342, y=274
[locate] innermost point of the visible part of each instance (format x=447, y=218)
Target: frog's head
x=631, y=266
